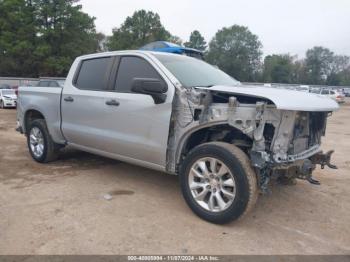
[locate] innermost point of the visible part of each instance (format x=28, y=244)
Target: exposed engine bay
x=279, y=143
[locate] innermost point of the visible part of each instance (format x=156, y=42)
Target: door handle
x=69, y=99
x=112, y=103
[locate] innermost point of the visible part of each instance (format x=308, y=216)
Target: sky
x=283, y=26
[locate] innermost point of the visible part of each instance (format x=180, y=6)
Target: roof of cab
x=124, y=52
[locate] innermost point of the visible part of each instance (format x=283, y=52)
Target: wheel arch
x=217, y=132
x=31, y=115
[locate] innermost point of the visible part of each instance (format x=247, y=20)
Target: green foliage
x=340, y=71
x=65, y=33
x=43, y=37
x=318, y=64
x=344, y=77
x=17, y=38
x=278, y=69
x=197, y=41
x=175, y=39
x=236, y=51
x=299, y=73
x=141, y=28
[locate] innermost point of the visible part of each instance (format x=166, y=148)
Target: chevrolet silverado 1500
x=182, y=116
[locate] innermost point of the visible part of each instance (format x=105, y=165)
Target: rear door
x=84, y=109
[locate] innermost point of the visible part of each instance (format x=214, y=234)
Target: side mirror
x=150, y=86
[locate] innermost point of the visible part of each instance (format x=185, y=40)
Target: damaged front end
x=280, y=142
x=293, y=149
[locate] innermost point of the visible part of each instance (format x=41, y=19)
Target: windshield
x=8, y=92
x=192, y=72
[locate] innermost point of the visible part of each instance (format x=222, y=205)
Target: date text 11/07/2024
x=173, y=258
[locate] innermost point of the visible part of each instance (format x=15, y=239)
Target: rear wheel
x=218, y=182
x=40, y=144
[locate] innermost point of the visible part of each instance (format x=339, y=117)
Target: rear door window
x=94, y=73
x=53, y=84
x=43, y=84
x=131, y=67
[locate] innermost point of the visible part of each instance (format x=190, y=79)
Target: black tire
x=50, y=152
x=1, y=104
x=245, y=178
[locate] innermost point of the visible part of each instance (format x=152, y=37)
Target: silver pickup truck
x=182, y=116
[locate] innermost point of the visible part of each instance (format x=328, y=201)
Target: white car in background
x=346, y=92
x=8, y=98
x=303, y=88
x=333, y=94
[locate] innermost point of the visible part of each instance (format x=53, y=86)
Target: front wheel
x=218, y=182
x=2, y=104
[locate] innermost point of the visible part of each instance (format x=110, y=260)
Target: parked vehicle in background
x=346, y=92
x=51, y=83
x=5, y=86
x=182, y=116
x=8, y=98
x=16, y=89
x=341, y=92
x=333, y=94
x=303, y=88
x=315, y=90
x=163, y=46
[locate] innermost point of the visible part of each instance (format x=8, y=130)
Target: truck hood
x=282, y=98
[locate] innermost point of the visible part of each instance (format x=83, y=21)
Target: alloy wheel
x=212, y=184
x=36, y=141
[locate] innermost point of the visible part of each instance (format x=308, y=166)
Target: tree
x=339, y=63
x=102, y=41
x=17, y=38
x=278, y=69
x=318, y=64
x=43, y=37
x=196, y=41
x=175, y=39
x=299, y=72
x=344, y=77
x=340, y=74
x=139, y=29
x=236, y=51
x=339, y=70
x=64, y=32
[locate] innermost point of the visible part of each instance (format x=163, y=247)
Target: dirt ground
x=59, y=208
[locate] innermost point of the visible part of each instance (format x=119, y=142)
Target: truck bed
x=46, y=100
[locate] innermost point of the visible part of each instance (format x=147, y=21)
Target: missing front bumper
x=323, y=159
x=299, y=169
